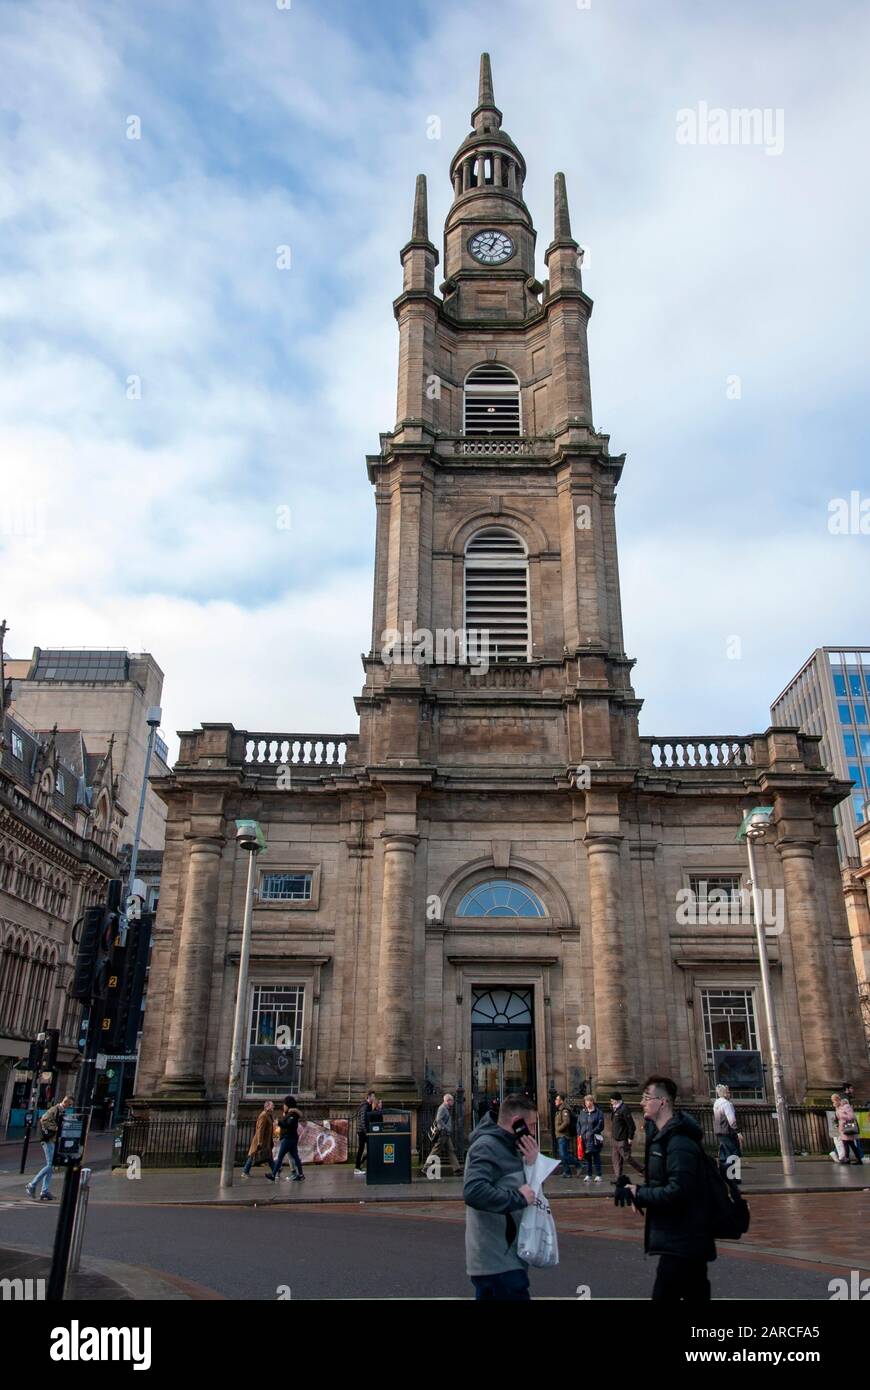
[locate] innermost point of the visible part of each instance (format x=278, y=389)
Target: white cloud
x=262, y=387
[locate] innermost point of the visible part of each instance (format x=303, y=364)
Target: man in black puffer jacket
x=674, y=1198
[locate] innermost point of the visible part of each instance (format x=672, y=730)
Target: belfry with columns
x=494, y=881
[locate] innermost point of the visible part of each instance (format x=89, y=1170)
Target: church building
x=495, y=882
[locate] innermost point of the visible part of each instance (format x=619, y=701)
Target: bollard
x=79, y=1220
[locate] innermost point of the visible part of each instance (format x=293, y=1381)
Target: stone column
x=815, y=988
x=613, y=1059
x=185, y=1053
x=858, y=916
x=394, y=1066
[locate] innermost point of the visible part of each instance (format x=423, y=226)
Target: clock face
x=491, y=247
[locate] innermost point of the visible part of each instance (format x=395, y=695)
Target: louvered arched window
x=497, y=594
x=492, y=401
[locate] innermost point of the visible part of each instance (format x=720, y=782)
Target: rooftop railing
x=299, y=750
x=703, y=752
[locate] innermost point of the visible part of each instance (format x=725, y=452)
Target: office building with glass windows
x=830, y=697
x=494, y=882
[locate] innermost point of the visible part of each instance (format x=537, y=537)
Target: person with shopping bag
x=502, y=1183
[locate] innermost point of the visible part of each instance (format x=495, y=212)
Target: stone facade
x=524, y=772
x=101, y=709
x=856, y=889
x=60, y=820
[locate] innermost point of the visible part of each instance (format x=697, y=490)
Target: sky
x=175, y=387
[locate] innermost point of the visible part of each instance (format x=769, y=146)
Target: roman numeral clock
x=491, y=247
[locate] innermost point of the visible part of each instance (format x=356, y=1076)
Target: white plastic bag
x=537, y=1243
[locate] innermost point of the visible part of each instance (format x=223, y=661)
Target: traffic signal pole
x=72, y=1174
x=89, y=985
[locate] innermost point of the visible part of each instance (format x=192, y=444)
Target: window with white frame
x=492, y=401
x=497, y=595
x=274, y=1062
x=720, y=898
x=290, y=886
x=17, y=746
x=729, y=1025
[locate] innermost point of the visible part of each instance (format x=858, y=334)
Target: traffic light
x=120, y=1014
x=50, y=1045
x=34, y=1057
x=97, y=936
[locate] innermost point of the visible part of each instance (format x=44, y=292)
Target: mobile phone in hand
x=521, y=1129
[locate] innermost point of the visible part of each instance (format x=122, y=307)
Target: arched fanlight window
x=497, y=595
x=492, y=401
x=501, y=898
x=500, y=1007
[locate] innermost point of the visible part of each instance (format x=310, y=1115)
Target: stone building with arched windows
x=496, y=882
x=60, y=819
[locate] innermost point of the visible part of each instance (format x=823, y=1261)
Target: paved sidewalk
x=328, y=1183
x=96, y=1280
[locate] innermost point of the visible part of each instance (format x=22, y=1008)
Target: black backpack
x=727, y=1210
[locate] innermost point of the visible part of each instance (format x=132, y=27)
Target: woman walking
x=288, y=1124
x=590, y=1124
x=260, y=1150
x=847, y=1127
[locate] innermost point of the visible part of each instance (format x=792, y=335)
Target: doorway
x=502, y=1045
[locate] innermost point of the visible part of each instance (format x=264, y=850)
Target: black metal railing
x=168, y=1142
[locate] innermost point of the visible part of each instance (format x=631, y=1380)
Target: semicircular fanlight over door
x=501, y=1006
x=497, y=595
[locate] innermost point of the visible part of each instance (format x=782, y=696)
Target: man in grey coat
x=496, y=1194
x=442, y=1143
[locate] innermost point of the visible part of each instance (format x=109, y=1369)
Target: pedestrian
x=848, y=1093
x=726, y=1131
x=496, y=1194
x=566, y=1135
x=363, y=1120
x=673, y=1198
x=590, y=1124
x=623, y=1131
x=49, y=1128
x=442, y=1143
x=260, y=1148
x=288, y=1126
x=847, y=1127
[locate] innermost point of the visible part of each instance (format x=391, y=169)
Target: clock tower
x=497, y=662
x=489, y=240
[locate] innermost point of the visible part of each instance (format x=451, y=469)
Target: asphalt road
x=358, y=1252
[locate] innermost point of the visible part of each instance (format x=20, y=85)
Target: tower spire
x=486, y=115
x=561, y=216
x=419, y=257
x=420, y=224
x=486, y=96
x=561, y=256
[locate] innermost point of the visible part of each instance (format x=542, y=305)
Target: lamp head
x=249, y=836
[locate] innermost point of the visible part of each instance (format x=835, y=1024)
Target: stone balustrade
x=299, y=750
x=486, y=446
x=701, y=753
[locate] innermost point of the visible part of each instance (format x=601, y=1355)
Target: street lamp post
x=251, y=838
x=754, y=827
x=152, y=719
